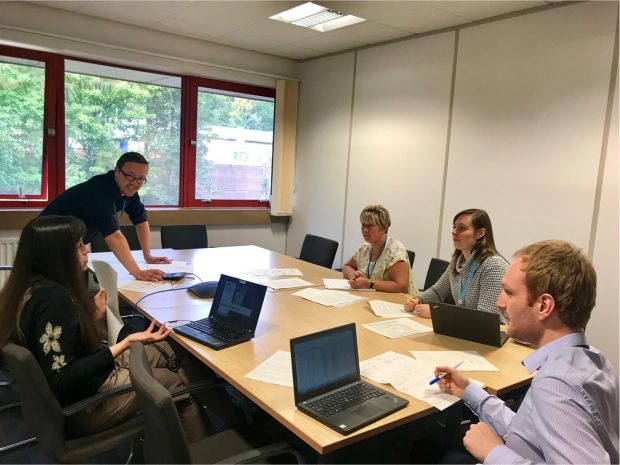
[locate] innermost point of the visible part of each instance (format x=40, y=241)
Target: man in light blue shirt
x=570, y=412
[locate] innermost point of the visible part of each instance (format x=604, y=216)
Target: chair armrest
x=271, y=450
x=193, y=386
x=96, y=399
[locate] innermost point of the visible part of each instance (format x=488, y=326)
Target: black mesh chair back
x=436, y=268
x=164, y=438
x=318, y=250
x=184, y=236
x=48, y=420
x=411, y=255
x=98, y=244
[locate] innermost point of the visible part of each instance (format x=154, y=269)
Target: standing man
x=97, y=201
x=570, y=412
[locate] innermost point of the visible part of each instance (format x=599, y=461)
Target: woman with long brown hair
x=45, y=306
x=474, y=276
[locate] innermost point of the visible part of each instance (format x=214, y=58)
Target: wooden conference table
x=285, y=316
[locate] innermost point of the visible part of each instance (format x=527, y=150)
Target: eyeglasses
x=132, y=178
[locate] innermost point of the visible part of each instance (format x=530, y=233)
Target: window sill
x=17, y=219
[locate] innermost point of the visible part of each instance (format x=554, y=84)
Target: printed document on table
x=472, y=360
x=398, y=328
x=341, y=284
x=407, y=375
x=286, y=283
x=277, y=369
x=145, y=287
x=389, y=309
x=328, y=297
x=274, y=272
x=173, y=267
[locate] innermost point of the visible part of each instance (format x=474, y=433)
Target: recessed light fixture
x=316, y=17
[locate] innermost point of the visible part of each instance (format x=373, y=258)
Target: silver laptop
x=327, y=384
x=467, y=323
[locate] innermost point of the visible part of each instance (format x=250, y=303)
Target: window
x=22, y=99
x=233, y=143
x=110, y=111
x=64, y=120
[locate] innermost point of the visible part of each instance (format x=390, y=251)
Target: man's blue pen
x=437, y=378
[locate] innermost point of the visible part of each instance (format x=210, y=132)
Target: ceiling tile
x=476, y=10
x=283, y=32
x=370, y=10
x=422, y=19
x=141, y=13
x=295, y=52
x=67, y=5
x=353, y=36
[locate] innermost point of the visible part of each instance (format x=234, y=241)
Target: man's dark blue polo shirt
x=96, y=202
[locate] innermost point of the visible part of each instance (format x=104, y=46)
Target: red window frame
x=52, y=173
x=191, y=104
x=53, y=160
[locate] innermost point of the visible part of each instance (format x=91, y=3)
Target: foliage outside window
x=106, y=117
x=22, y=86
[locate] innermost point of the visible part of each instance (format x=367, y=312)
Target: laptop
x=467, y=323
x=204, y=290
x=233, y=317
x=327, y=384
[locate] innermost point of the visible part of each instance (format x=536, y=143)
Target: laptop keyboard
x=337, y=401
x=213, y=328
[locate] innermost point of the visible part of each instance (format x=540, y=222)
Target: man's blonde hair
x=562, y=270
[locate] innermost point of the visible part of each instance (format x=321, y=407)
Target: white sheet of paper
x=328, y=297
x=341, y=284
x=389, y=309
x=275, y=272
x=472, y=360
x=398, y=328
x=286, y=283
x=173, y=267
x=407, y=375
x=145, y=287
x=277, y=369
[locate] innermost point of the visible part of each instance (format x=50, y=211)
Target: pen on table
x=437, y=378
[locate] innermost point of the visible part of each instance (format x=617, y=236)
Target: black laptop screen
x=325, y=360
x=238, y=302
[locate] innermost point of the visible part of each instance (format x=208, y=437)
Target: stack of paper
x=275, y=272
x=285, y=283
x=342, y=284
x=409, y=376
x=277, y=369
x=327, y=297
x=470, y=360
x=398, y=328
x=389, y=309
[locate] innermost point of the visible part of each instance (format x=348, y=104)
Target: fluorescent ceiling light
x=316, y=17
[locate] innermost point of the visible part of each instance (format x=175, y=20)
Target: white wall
x=521, y=137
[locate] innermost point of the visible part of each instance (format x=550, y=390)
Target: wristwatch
x=372, y=284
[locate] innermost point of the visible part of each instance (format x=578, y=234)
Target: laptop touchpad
x=365, y=410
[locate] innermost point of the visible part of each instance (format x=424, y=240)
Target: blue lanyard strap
x=368, y=270
x=462, y=291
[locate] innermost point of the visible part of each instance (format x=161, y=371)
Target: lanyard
x=368, y=270
x=462, y=291
x=122, y=209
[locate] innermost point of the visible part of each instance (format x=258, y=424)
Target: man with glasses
x=98, y=201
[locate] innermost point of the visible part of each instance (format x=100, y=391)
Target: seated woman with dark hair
x=474, y=276
x=45, y=306
x=382, y=263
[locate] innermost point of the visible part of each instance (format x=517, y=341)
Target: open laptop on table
x=233, y=317
x=327, y=384
x=467, y=323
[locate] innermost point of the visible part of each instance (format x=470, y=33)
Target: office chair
x=184, y=236
x=318, y=250
x=98, y=244
x=164, y=438
x=411, y=255
x=48, y=419
x=436, y=268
